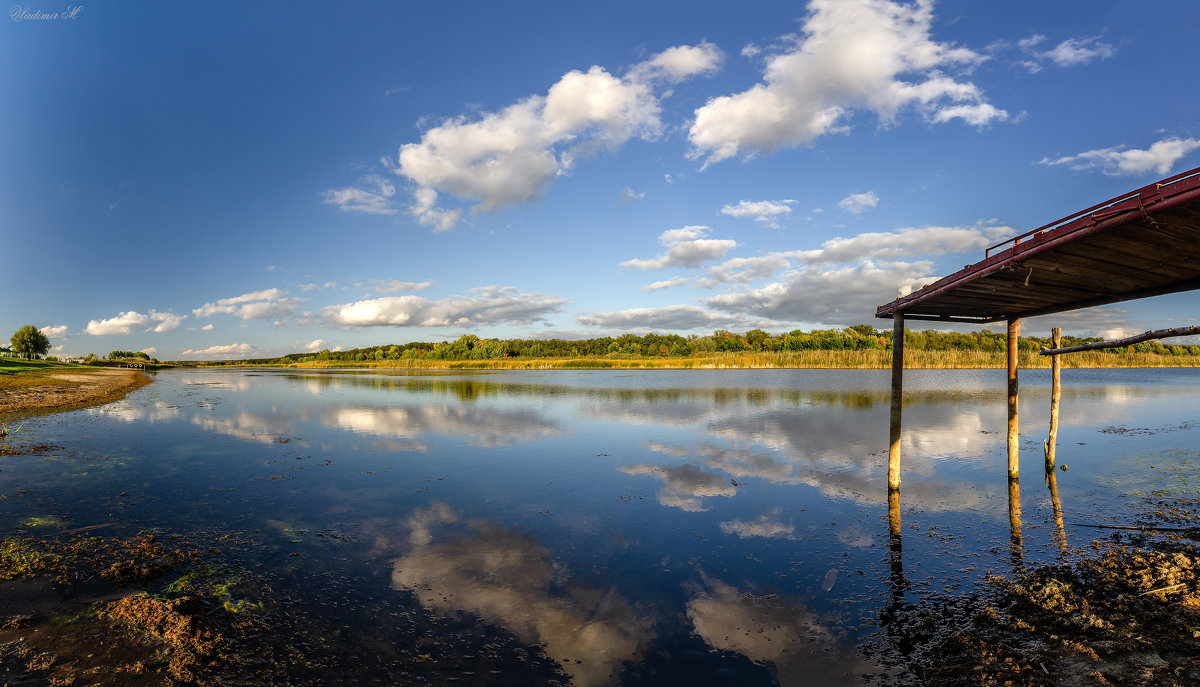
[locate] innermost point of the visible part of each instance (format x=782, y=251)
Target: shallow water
x=636, y=527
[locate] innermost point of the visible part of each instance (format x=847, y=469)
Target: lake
x=607, y=527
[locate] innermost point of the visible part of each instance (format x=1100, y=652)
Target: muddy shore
x=28, y=393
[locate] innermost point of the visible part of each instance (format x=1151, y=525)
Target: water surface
x=631, y=527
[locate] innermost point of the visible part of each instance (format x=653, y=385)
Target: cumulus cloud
x=746, y=270
x=393, y=285
x=133, y=321
x=207, y=328
x=910, y=242
x=54, y=331
x=511, y=156
x=671, y=317
x=1159, y=158
x=484, y=306
x=255, y=305
x=768, y=212
x=149, y=351
x=427, y=212
x=679, y=63
x=1069, y=53
x=873, y=55
x=316, y=345
x=372, y=196
x=686, y=247
x=238, y=349
x=858, y=203
x=842, y=293
x=847, y=278
x=666, y=284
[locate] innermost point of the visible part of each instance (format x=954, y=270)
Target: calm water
x=640, y=527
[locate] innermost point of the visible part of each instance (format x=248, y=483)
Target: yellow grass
x=866, y=359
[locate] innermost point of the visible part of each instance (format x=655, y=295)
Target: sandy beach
x=24, y=393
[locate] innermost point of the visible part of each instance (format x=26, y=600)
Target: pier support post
x=1014, y=333
x=897, y=401
x=1055, y=393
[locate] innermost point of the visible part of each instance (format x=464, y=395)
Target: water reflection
x=481, y=426
x=1060, y=530
x=622, y=521
x=1016, y=543
x=509, y=579
x=792, y=640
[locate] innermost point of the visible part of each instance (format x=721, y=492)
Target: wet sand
x=26, y=393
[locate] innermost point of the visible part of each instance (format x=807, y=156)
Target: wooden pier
x=1144, y=243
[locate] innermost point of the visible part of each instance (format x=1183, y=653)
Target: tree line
x=857, y=337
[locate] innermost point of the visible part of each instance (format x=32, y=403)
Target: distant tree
x=30, y=342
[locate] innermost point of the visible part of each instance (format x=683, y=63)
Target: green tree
x=30, y=342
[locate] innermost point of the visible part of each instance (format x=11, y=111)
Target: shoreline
x=23, y=394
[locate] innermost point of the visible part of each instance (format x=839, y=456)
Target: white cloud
x=485, y=306
x=238, y=349
x=1069, y=53
x=1159, y=158
x=847, y=278
x=666, y=284
x=858, y=203
x=133, y=321
x=685, y=248
x=393, y=285
x=746, y=270
x=819, y=293
x=679, y=63
x=150, y=351
x=255, y=305
x=766, y=211
x=512, y=156
x=372, y=197
x=873, y=55
x=426, y=211
x=54, y=331
x=207, y=328
x=629, y=194
x=316, y=345
x=907, y=243
x=671, y=317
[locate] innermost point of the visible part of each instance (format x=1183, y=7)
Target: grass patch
x=870, y=359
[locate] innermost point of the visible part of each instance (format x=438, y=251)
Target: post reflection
x=1060, y=530
x=1016, y=545
x=890, y=614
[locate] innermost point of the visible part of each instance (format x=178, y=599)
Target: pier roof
x=1144, y=243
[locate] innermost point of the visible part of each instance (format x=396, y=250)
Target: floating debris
x=830, y=580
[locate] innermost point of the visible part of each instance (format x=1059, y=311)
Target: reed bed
x=844, y=359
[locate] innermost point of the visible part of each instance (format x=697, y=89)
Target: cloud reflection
x=686, y=485
x=769, y=630
x=482, y=426
x=509, y=579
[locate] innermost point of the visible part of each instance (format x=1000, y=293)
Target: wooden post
x=897, y=401
x=894, y=513
x=1055, y=393
x=1014, y=332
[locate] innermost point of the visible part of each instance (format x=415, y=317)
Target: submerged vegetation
x=860, y=346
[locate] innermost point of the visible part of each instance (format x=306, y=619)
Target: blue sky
x=225, y=180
